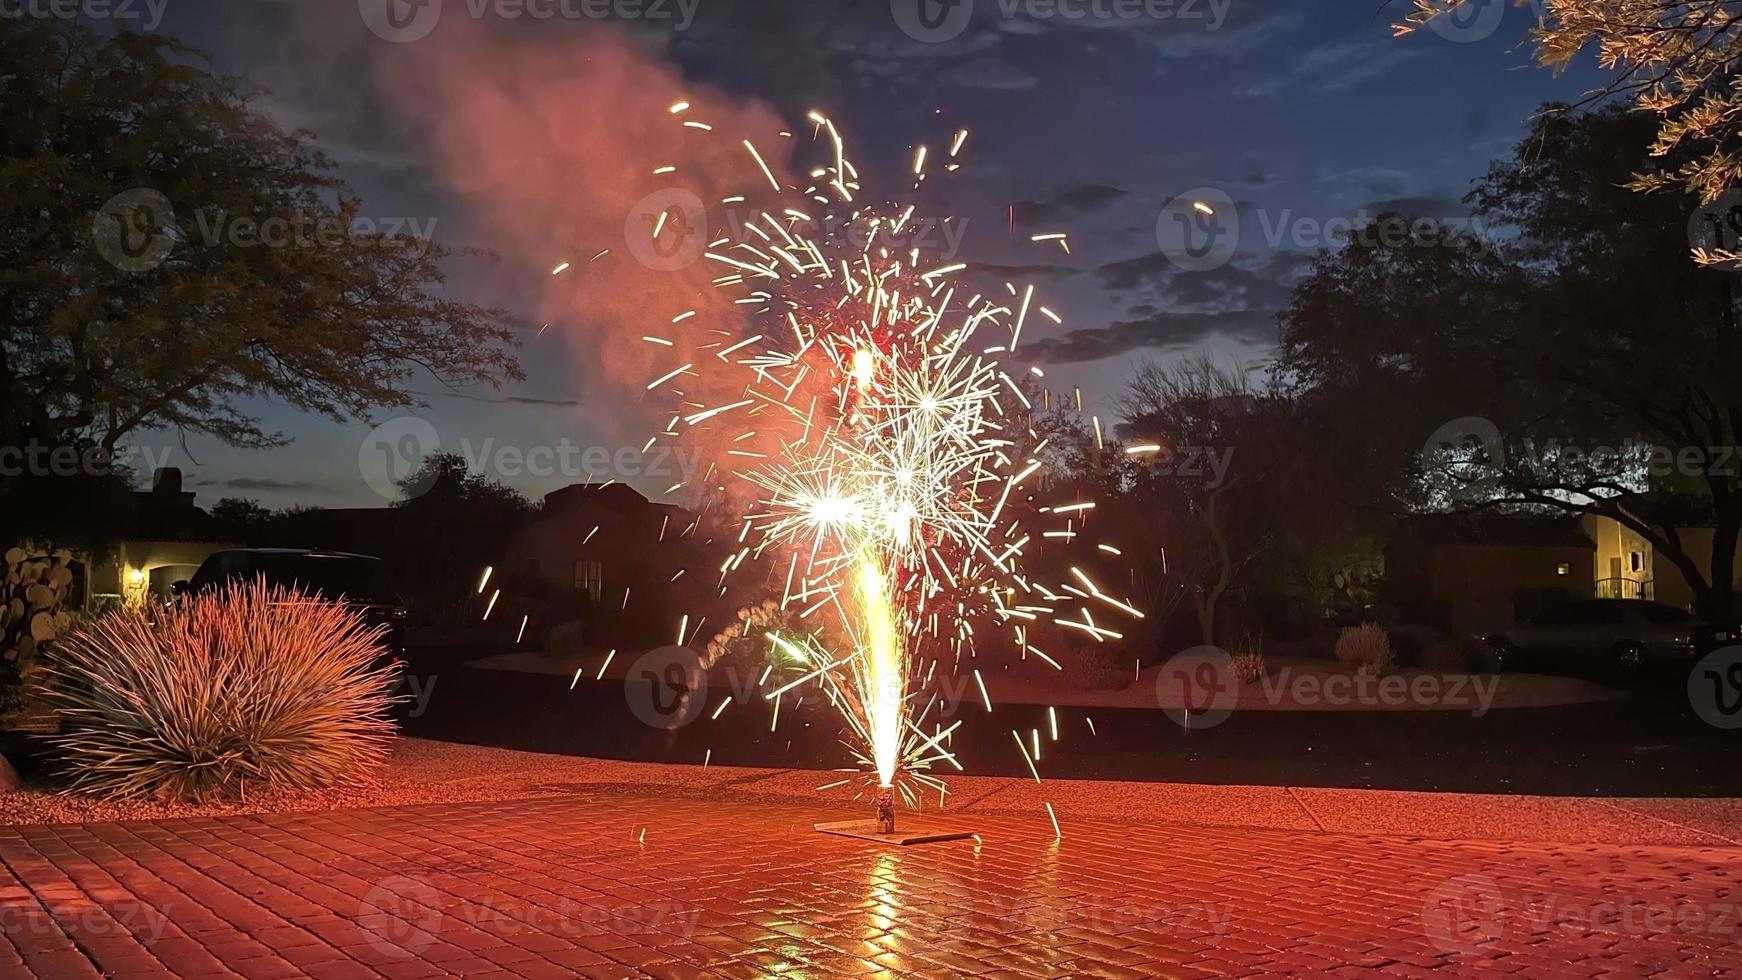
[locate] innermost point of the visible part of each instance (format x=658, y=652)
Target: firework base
x=917, y=831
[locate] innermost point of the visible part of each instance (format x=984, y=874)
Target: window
x=590, y=577
x=1635, y=560
x=1563, y=568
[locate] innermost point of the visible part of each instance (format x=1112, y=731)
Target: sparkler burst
x=886, y=454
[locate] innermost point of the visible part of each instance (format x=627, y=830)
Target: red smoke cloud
x=553, y=144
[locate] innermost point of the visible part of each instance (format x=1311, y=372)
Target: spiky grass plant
x=244, y=687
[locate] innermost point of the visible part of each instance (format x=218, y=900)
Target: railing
x=1624, y=588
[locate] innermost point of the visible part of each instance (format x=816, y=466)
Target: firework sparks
x=885, y=448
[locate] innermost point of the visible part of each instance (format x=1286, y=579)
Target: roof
x=1498, y=529
x=619, y=497
x=287, y=552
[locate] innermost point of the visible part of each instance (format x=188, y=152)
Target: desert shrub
x=1366, y=647
x=246, y=686
x=1083, y=664
x=1247, y=667
x=744, y=644
x=1448, y=655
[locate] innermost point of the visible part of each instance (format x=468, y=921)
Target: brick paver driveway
x=633, y=882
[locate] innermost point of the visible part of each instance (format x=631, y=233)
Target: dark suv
x=359, y=581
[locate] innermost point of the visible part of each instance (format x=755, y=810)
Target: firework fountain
x=884, y=456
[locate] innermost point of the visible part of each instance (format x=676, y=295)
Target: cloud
x=1241, y=34
x=515, y=399
x=1419, y=207
x=989, y=72
x=1166, y=331
x=1382, y=181
x=1072, y=201
x=1336, y=66
x=259, y=483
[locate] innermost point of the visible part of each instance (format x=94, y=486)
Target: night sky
x=1296, y=113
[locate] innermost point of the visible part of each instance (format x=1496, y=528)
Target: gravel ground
x=418, y=771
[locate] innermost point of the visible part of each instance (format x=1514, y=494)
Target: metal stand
x=882, y=829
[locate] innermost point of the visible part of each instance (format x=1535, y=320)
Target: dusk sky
x=1296, y=113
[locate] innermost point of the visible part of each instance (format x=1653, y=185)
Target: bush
x=1448, y=655
x=1366, y=647
x=1247, y=667
x=247, y=685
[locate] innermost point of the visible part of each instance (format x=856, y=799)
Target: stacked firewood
x=32, y=607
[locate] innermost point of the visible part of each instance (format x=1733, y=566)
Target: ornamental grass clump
x=1366, y=647
x=246, y=687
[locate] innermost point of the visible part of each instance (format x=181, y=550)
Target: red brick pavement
x=633, y=883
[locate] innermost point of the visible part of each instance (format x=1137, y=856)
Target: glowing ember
x=884, y=447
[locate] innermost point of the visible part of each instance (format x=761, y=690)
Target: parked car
x=1628, y=634
x=359, y=581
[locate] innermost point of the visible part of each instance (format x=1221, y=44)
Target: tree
x=167, y=250
x=1676, y=60
x=453, y=522
x=241, y=516
x=1588, y=326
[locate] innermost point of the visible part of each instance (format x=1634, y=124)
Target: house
x=1467, y=571
x=166, y=539
x=607, y=553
